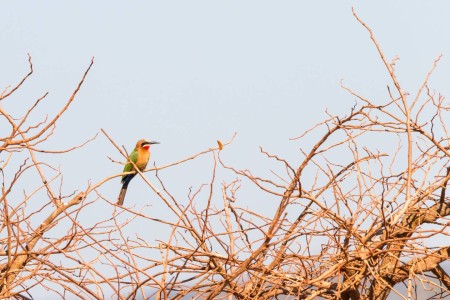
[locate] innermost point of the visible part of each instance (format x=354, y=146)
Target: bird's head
x=145, y=144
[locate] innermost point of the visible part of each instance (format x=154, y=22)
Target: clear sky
x=186, y=73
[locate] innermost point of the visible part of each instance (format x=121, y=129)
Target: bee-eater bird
x=140, y=157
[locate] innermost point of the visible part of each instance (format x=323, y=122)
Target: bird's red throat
x=146, y=147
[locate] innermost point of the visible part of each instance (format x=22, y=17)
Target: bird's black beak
x=153, y=142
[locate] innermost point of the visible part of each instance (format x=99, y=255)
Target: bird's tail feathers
x=121, y=198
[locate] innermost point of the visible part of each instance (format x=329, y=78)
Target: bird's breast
x=143, y=157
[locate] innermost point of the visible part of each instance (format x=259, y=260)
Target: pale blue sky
x=187, y=73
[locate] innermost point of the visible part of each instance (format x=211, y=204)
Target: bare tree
x=355, y=219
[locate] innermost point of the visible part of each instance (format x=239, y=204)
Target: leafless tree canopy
x=364, y=215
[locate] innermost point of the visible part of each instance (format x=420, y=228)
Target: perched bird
x=140, y=157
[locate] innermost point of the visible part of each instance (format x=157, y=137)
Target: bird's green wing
x=133, y=157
